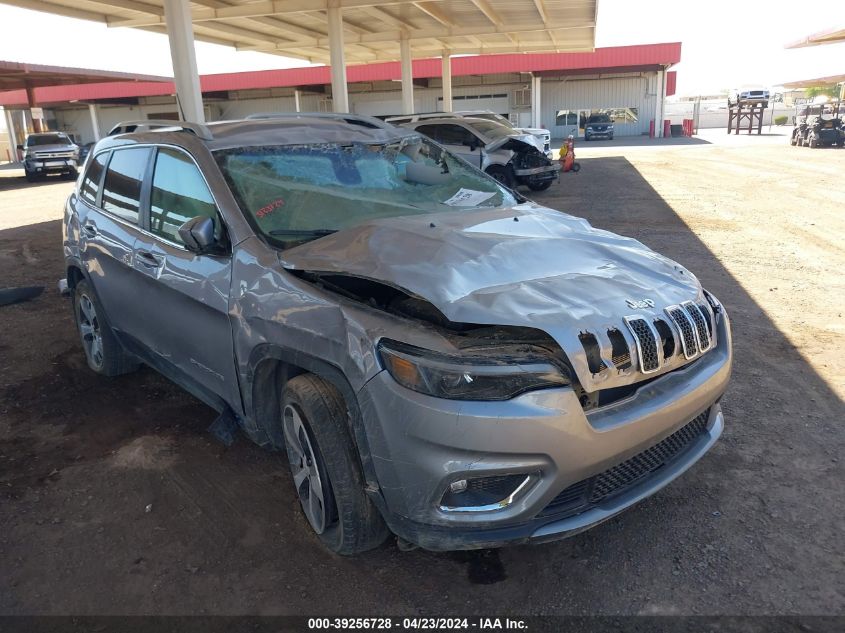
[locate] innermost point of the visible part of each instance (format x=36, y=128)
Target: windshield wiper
x=303, y=232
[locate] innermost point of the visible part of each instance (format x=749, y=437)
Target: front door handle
x=146, y=258
x=90, y=230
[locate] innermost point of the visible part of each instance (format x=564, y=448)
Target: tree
x=828, y=91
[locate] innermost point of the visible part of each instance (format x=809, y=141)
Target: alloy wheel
x=89, y=329
x=305, y=468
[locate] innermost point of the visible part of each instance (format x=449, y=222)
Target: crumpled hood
x=525, y=266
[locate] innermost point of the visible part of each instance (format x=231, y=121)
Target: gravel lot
x=114, y=499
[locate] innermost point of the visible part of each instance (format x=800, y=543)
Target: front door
x=458, y=140
x=184, y=297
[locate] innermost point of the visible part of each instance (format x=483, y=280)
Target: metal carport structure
x=341, y=31
x=29, y=78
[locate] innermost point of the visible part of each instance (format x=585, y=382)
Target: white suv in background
x=541, y=133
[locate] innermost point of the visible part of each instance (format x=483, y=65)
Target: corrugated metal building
x=629, y=82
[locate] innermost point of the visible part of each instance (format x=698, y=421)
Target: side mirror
x=198, y=234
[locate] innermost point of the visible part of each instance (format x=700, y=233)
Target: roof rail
x=198, y=129
x=355, y=119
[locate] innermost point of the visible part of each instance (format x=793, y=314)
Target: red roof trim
x=616, y=58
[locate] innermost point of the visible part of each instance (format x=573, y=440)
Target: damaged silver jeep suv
x=439, y=357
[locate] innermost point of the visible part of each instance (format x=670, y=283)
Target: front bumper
x=50, y=165
x=545, y=171
x=596, y=133
x=420, y=445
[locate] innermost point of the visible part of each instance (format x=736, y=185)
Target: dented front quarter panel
x=270, y=307
x=526, y=266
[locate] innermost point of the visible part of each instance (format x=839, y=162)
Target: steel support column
x=340, y=92
x=407, y=75
x=37, y=124
x=659, y=99
x=180, y=32
x=536, y=100
x=10, y=128
x=95, y=121
x=446, y=74
x=297, y=103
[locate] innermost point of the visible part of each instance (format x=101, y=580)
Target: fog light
x=458, y=486
x=483, y=494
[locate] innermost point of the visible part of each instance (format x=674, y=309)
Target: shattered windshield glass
x=291, y=193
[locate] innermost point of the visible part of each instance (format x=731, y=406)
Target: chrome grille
x=647, y=343
x=43, y=155
x=701, y=331
x=594, y=490
x=685, y=326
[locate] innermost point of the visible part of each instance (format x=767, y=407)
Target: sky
x=726, y=43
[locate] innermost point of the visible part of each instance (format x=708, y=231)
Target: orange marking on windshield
x=267, y=209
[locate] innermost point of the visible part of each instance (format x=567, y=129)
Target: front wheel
x=324, y=467
x=539, y=185
x=30, y=176
x=503, y=174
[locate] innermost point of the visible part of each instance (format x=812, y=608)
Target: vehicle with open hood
x=438, y=357
x=541, y=133
x=513, y=158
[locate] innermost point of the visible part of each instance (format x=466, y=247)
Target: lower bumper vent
x=590, y=492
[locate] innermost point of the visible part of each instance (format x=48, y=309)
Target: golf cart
x=819, y=124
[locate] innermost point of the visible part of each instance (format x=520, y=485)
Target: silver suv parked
x=439, y=357
x=49, y=153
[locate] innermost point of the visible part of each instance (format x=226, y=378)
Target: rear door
x=109, y=215
x=184, y=297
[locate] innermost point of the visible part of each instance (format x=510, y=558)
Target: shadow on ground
x=115, y=500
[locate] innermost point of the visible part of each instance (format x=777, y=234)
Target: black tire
x=73, y=174
x=351, y=523
x=112, y=359
x=503, y=174
x=812, y=141
x=539, y=185
x=793, y=140
x=611, y=137
x=30, y=177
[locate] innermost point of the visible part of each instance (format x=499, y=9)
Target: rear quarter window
x=93, y=177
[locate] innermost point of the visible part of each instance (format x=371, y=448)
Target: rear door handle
x=146, y=258
x=90, y=230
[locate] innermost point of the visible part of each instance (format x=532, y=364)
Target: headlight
x=715, y=304
x=471, y=376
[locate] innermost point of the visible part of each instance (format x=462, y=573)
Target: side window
x=124, y=177
x=179, y=193
x=455, y=135
x=93, y=177
x=431, y=131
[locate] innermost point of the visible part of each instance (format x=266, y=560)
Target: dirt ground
x=115, y=500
